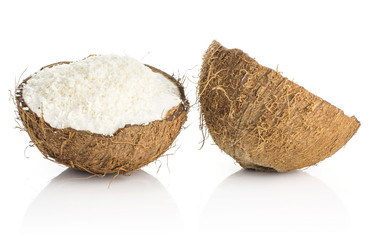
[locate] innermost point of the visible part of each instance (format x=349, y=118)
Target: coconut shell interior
x=129, y=149
x=263, y=120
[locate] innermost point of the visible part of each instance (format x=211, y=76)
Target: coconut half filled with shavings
x=103, y=114
x=263, y=120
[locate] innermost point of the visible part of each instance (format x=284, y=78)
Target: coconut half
x=263, y=120
x=126, y=149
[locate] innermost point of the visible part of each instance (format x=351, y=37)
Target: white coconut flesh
x=100, y=94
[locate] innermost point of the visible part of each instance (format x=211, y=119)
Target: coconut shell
x=129, y=149
x=263, y=120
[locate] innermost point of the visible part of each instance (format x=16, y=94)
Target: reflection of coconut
x=131, y=204
x=263, y=120
x=103, y=114
x=252, y=201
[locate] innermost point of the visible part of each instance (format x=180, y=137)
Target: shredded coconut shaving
x=100, y=94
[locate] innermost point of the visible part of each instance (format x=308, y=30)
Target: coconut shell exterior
x=263, y=120
x=129, y=149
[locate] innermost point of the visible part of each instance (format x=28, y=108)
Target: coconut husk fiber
x=263, y=120
x=129, y=149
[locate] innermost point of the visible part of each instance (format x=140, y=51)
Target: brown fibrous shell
x=263, y=120
x=129, y=149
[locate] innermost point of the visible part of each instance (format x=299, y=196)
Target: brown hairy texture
x=263, y=120
x=129, y=149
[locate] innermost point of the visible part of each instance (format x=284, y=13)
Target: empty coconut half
x=103, y=114
x=263, y=120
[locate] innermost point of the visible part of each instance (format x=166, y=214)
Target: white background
x=325, y=46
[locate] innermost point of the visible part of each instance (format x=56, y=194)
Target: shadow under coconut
x=255, y=201
x=132, y=204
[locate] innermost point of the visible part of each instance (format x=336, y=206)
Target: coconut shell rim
x=172, y=113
